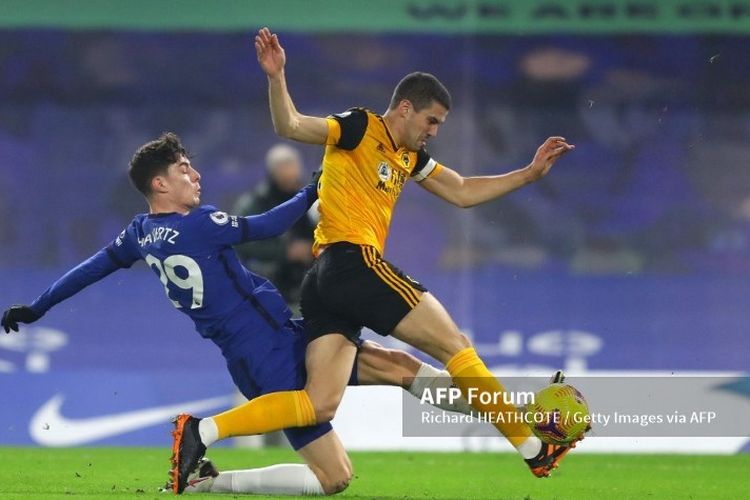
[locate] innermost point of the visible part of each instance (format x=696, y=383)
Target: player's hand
x=271, y=56
x=546, y=156
x=17, y=314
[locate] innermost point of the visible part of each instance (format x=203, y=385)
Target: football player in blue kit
x=189, y=247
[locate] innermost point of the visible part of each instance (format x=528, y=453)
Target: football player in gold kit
x=368, y=158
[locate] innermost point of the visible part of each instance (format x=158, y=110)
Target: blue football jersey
x=192, y=256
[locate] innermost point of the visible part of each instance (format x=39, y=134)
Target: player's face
x=424, y=124
x=184, y=183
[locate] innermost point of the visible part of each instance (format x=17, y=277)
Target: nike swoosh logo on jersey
x=49, y=427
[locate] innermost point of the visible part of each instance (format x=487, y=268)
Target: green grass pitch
x=138, y=472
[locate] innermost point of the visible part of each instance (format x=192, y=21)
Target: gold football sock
x=267, y=413
x=468, y=371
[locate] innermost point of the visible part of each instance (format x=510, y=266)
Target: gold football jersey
x=363, y=174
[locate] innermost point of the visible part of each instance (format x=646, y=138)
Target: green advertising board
x=384, y=16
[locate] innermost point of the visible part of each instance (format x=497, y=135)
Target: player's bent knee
x=337, y=481
x=331, y=488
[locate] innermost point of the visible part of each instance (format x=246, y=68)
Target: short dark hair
x=153, y=158
x=421, y=89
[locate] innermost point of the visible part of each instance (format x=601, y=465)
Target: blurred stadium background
x=633, y=255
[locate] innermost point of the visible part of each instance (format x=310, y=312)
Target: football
x=559, y=414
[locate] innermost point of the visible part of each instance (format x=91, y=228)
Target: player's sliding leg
x=316, y=403
x=327, y=470
x=279, y=479
x=377, y=365
x=328, y=459
x=267, y=413
x=328, y=359
x=429, y=327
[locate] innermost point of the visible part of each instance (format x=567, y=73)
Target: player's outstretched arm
x=97, y=267
x=470, y=191
x=287, y=121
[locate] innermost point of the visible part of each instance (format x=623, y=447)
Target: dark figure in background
x=285, y=259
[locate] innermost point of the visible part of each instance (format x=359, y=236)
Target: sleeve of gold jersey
x=346, y=130
x=334, y=132
x=425, y=166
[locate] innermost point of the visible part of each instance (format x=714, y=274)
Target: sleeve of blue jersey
x=282, y=217
x=123, y=251
x=97, y=267
x=221, y=228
